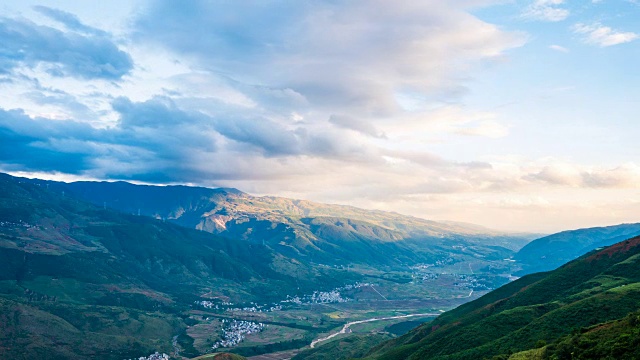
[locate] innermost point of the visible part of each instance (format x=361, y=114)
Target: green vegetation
x=618, y=340
x=581, y=308
x=78, y=281
x=58, y=331
x=348, y=347
x=550, y=252
x=81, y=281
x=319, y=233
x=220, y=356
x=404, y=327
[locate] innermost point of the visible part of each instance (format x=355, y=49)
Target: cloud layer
x=598, y=34
x=82, y=52
x=343, y=57
x=354, y=102
x=547, y=10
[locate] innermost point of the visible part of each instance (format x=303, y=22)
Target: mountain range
x=112, y=270
x=82, y=281
x=550, y=252
x=321, y=233
x=586, y=309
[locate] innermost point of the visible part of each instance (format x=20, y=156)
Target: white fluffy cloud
x=344, y=58
x=546, y=10
x=598, y=34
x=559, y=48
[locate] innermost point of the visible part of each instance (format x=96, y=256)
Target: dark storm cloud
x=43, y=145
x=159, y=144
x=157, y=141
x=77, y=53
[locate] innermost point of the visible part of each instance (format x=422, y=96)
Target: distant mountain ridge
x=550, y=252
x=79, y=281
x=557, y=315
x=320, y=232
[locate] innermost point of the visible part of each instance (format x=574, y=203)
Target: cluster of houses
x=20, y=223
x=154, y=356
x=467, y=281
x=429, y=276
x=318, y=297
x=470, y=282
x=234, y=331
x=354, y=286
x=324, y=297
x=228, y=307
x=440, y=262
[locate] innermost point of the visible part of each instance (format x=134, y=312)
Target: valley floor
x=391, y=303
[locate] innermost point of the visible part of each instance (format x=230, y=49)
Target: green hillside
x=79, y=281
x=322, y=233
x=619, y=339
x=220, y=356
x=349, y=347
x=550, y=252
x=582, y=307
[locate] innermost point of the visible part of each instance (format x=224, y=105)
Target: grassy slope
x=297, y=228
x=349, y=347
x=619, y=340
x=597, y=288
x=79, y=281
x=220, y=356
x=41, y=330
x=550, y=252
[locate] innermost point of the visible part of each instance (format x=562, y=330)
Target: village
x=154, y=356
x=234, y=331
x=317, y=297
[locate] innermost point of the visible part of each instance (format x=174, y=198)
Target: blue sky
x=517, y=115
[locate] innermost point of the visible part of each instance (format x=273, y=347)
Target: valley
x=319, y=180
x=189, y=292
x=83, y=280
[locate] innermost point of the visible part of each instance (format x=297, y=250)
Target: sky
x=515, y=115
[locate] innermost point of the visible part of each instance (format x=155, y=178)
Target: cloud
x=156, y=148
x=27, y=144
x=61, y=99
x=75, y=53
x=559, y=48
x=354, y=124
x=624, y=176
x=546, y=10
x=337, y=57
x=597, y=34
x=486, y=128
x=69, y=20
x=262, y=133
x=562, y=174
x=157, y=141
